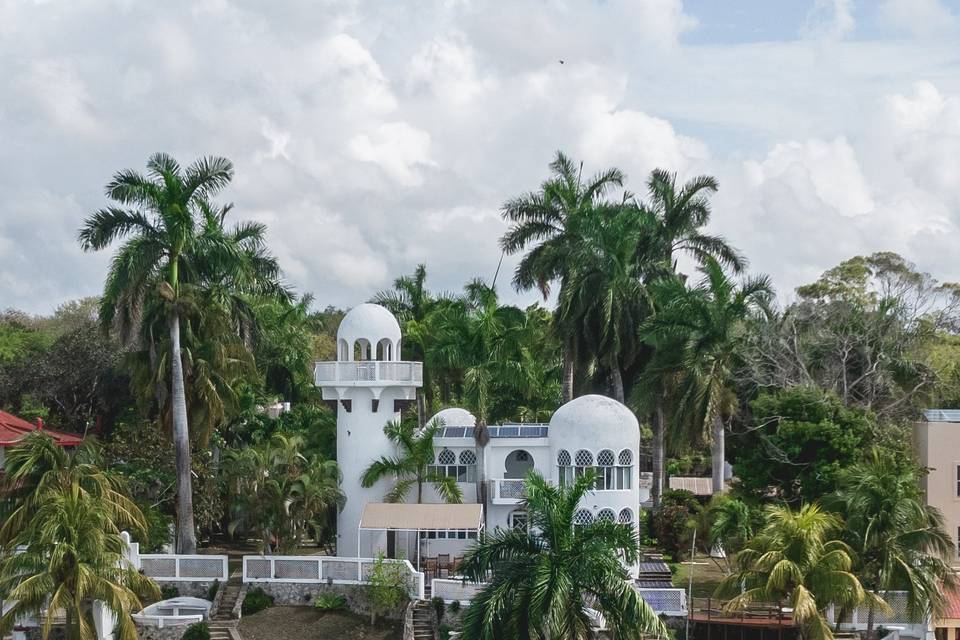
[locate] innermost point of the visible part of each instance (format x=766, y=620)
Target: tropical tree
x=797, y=560
x=708, y=323
x=542, y=583
x=731, y=523
x=412, y=467
x=279, y=494
x=74, y=556
x=550, y=222
x=175, y=252
x=899, y=540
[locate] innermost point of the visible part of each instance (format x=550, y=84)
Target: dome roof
x=594, y=422
x=370, y=321
x=455, y=417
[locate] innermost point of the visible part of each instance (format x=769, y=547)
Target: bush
x=673, y=520
x=212, y=591
x=168, y=591
x=255, y=600
x=330, y=602
x=438, y=606
x=198, y=631
x=388, y=587
x=455, y=606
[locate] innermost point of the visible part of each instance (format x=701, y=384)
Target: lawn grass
x=707, y=575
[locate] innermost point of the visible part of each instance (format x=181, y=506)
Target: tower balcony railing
x=368, y=372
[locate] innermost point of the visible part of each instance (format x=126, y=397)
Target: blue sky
x=373, y=136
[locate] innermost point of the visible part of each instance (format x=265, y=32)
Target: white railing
x=856, y=620
x=504, y=491
x=450, y=590
x=668, y=602
x=184, y=568
x=321, y=569
x=370, y=371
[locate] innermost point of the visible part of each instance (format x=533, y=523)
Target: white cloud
x=831, y=19
x=396, y=147
x=919, y=17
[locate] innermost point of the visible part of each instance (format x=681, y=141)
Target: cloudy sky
x=371, y=136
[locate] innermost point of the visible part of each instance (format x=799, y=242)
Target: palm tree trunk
x=481, y=436
x=569, y=360
x=659, y=452
x=186, y=535
x=718, y=451
x=870, y=621
x=616, y=383
x=421, y=409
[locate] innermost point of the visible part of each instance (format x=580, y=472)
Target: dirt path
x=306, y=623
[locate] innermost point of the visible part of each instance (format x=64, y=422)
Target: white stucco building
x=370, y=386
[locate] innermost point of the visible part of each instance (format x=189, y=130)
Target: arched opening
x=385, y=350
x=361, y=350
x=517, y=464
x=343, y=350
x=564, y=468
x=518, y=520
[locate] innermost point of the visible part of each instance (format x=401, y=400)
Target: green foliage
x=169, y=591
x=330, y=602
x=801, y=439
x=387, y=587
x=673, y=520
x=455, y=606
x=538, y=581
x=212, y=590
x=438, y=606
x=198, y=631
x=255, y=600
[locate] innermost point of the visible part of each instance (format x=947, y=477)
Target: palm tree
x=412, y=467
x=553, y=219
x=677, y=217
x=176, y=248
x=899, y=539
x=74, y=556
x=38, y=466
x=707, y=322
x=796, y=560
x=542, y=582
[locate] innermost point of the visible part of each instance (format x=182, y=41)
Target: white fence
x=450, y=590
x=897, y=619
x=368, y=371
x=184, y=568
x=320, y=569
x=668, y=602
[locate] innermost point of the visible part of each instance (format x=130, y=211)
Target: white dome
x=455, y=417
x=594, y=422
x=369, y=322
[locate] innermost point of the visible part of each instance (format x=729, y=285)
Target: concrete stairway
x=422, y=621
x=223, y=626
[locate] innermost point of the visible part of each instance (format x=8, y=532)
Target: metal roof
x=14, y=429
x=425, y=517
x=942, y=415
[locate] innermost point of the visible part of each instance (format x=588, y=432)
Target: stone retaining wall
x=164, y=633
x=357, y=595
x=191, y=589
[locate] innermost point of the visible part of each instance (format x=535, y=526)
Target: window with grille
x=583, y=461
x=614, y=472
x=625, y=517
x=447, y=466
x=564, y=468
x=606, y=473
x=606, y=514
x=518, y=520
x=582, y=517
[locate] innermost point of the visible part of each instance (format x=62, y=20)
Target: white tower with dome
x=370, y=385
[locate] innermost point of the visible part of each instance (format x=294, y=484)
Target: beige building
x=937, y=443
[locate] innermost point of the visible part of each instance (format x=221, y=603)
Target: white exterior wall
x=468, y=489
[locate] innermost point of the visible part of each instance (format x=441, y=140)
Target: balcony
x=368, y=373
x=505, y=491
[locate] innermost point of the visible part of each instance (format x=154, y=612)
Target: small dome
x=455, y=417
x=370, y=323
x=594, y=422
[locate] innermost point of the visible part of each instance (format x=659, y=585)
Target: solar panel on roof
x=454, y=432
x=468, y=432
x=509, y=432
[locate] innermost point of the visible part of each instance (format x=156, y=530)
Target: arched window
x=361, y=350
x=606, y=480
x=582, y=517
x=465, y=471
x=606, y=514
x=624, y=475
x=625, y=517
x=564, y=468
x=344, y=348
x=583, y=461
x=385, y=350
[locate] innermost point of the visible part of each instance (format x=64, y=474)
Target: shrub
x=212, y=591
x=198, y=631
x=168, y=591
x=255, y=600
x=673, y=521
x=455, y=606
x=388, y=587
x=438, y=606
x=330, y=602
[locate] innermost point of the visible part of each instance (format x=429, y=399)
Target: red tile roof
x=13, y=429
x=952, y=609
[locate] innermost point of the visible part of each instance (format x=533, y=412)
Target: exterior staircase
x=422, y=621
x=223, y=626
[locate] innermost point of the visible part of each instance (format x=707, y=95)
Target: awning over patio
x=422, y=517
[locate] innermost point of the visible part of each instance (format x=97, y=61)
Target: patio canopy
x=696, y=486
x=422, y=517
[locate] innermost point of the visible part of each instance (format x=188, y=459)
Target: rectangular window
x=958, y=480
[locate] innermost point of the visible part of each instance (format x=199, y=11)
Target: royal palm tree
x=707, y=322
x=542, y=582
x=175, y=247
x=899, y=540
x=550, y=222
x=74, y=556
x=411, y=467
x=798, y=560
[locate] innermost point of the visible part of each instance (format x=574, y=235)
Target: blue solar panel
x=509, y=432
